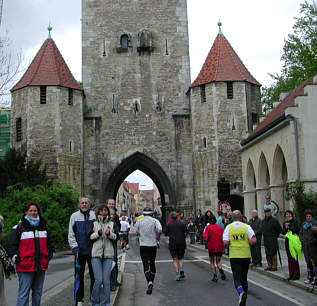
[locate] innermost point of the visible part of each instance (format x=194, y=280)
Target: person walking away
x=31, y=248
x=6, y=266
x=256, y=224
x=176, y=230
x=291, y=224
x=199, y=225
x=124, y=232
x=111, y=204
x=239, y=236
x=149, y=230
x=271, y=230
x=213, y=235
x=306, y=235
x=80, y=244
x=191, y=227
x=102, y=255
x=221, y=219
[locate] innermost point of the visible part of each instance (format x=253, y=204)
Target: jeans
x=82, y=259
x=240, y=268
x=100, y=295
x=192, y=238
x=27, y=281
x=148, y=255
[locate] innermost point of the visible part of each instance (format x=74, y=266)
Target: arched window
x=204, y=142
x=124, y=41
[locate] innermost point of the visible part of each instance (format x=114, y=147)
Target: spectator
x=199, y=226
x=213, y=235
x=308, y=240
x=31, y=248
x=102, y=234
x=191, y=226
x=291, y=224
x=79, y=226
x=221, y=219
x=6, y=266
x=271, y=230
x=207, y=218
x=256, y=224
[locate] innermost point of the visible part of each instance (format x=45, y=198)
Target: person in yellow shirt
x=239, y=236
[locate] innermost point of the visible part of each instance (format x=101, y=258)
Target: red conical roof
x=48, y=68
x=223, y=64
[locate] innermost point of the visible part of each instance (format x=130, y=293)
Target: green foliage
x=303, y=200
x=57, y=202
x=17, y=168
x=299, y=55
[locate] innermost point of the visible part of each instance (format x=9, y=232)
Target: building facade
x=5, y=117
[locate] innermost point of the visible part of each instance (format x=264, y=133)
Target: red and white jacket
x=32, y=245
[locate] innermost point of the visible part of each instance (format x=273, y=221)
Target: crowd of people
x=93, y=237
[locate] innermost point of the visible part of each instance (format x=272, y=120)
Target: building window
x=124, y=41
x=70, y=147
x=43, y=94
x=145, y=42
x=205, y=142
x=70, y=96
x=202, y=93
x=18, y=124
x=229, y=90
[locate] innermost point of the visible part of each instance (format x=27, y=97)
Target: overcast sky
x=256, y=30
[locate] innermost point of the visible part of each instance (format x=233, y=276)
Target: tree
x=16, y=168
x=299, y=55
x=10, y=64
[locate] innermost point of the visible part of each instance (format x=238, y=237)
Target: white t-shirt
x=147, y=228
x=124, y=226
x=225, y=235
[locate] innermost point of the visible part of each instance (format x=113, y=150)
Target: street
x=197, y=288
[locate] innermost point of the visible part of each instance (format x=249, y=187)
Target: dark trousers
x=256, y=251
x=115, y=270
x=148, y=255
x=82, y=260
x=293, y=266
x=240, y=268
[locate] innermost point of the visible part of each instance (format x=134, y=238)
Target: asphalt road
x=197, y=289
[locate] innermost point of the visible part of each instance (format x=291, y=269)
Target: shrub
x=57, y=202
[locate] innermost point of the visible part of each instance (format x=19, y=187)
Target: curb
x=115, y=294
x=297, y=284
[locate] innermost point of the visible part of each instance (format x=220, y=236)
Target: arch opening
x=264, y=174
x=139, y=161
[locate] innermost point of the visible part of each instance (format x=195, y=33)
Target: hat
x=266, y=209
x=147, y=211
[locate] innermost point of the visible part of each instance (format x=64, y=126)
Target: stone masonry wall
x=133, y=96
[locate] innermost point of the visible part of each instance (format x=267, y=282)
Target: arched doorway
x=139, y=161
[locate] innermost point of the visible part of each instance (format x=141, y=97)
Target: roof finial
x=49, y=30
x=219, y=25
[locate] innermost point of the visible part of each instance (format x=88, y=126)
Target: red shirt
x=213, y=235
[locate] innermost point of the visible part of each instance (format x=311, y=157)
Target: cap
x=147, y=211
x=266, y=209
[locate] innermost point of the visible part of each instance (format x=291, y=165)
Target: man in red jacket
x=213, y=234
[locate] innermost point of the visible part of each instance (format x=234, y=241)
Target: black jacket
x=271, y=229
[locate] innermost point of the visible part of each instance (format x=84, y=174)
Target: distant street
x=197, y=289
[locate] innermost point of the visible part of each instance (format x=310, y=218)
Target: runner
x=239, y=236
x=149, y=230
x=213, y=235
x=176, y=230
x=124, y=233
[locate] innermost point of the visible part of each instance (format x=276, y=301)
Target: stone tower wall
x=132, y=95
x=47, y=130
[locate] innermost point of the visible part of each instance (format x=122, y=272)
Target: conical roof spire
x=48, y=68
x=223, y=64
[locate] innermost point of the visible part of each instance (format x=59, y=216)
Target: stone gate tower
x=135, y=75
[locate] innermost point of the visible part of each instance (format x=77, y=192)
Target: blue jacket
x=79, y=226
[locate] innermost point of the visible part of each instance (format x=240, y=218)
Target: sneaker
x=308, y=281
x=128, y=247
x=242, y=299
x=223, y=277
x=149, y=288
x=182, y=273
x=80, y=303
x=215, y=278
x=178, y=277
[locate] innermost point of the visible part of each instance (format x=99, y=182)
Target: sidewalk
x=63, y=294
x=280, y=274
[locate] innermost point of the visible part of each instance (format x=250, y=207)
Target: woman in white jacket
x=102, y=253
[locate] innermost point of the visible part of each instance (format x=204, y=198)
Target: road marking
x=228, y=269
x=160, y=261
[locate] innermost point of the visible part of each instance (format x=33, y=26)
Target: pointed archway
x=139, y=161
